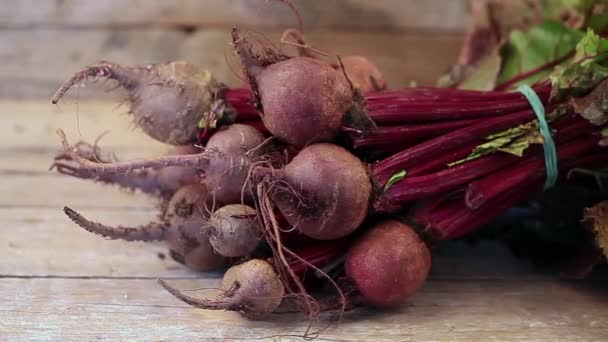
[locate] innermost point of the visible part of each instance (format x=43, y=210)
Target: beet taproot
x=223, y=165
x=180, y=228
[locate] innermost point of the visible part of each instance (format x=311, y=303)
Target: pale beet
x=302, y=100
x=179, y=228
x=252, y=288
x=233, y=230
x=226, y=174
x=323, y=192
x=166, y=100
x=388, y=264
x=362, y=73
x=223, y=165
x=163, y=182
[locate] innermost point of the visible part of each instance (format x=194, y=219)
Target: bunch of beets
x=316, y=174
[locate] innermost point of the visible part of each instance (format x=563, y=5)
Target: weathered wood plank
x=45, y=243
x=112, y=309
x=38, y=69
x=31, y=127
x=335, y=14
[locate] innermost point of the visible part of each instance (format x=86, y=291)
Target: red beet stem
x=319, y=254
x=415, y=188
x=452, y=219
x=441, y=162
x=240, y=100
x=402, y=135
x=384, y=169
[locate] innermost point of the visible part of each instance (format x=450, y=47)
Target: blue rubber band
x=548, y=143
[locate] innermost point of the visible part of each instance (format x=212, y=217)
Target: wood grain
x=350, y=15
x=131, y=309
x=35, y=66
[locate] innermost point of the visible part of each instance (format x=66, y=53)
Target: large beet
x=324, y=191
x=388, y=264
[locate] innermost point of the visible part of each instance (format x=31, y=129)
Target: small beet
x=162, y=182
x=362, y=73
x=224, y=163
x=324, y=191
x=233, y=230
x=252, y=288
x=180, y=229
x=388, y=264
x=226, y=175
x=167, y=100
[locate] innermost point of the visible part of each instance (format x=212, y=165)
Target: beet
x=388, y=264
x=162, y=182
x=362, y=73
x=233, y=230
x=252, y=288
x=223, y=164
x=180, y=228
x=226, y=175
x=302, y=99
x=324, y=191
x=166, y=100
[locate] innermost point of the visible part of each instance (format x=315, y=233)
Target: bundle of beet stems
x=288, y=187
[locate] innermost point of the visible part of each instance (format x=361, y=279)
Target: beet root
x=180, y=228
x=224, y=163
x=302, y=99
x=227, y=174
x=388, y=264
x=362, y=73
x=233, y=230
x=162, y=182
x=153, y=231
x=252, y=288
x=167, y=100
x=324, y=191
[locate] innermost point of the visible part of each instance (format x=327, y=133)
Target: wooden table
x=58, y=282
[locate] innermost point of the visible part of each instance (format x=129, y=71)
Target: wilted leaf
x=587, y=69
x=597, y=218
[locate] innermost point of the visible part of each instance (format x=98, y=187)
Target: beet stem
x=445, y=143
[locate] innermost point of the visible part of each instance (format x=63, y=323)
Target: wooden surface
x=58, y=282
x=43, y=42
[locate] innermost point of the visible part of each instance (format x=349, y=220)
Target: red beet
x=163, y=182
x=324, y=191
x=362, y=73
x=233, y=230
x=388, y=264
x=302, y=99
x=167, y=100
x=223, y=164
x=180, y=228
x=252, y=288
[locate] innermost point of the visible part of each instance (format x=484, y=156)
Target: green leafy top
x=510, y=43
x=586, y=70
